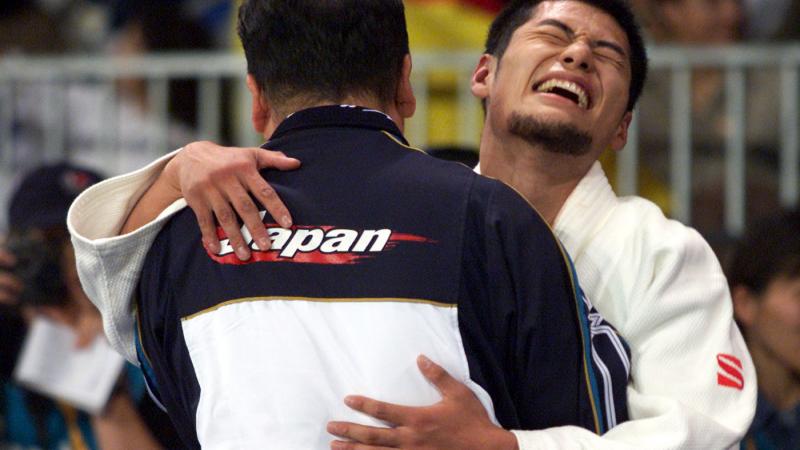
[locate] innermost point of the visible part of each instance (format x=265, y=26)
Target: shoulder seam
x=397, y=141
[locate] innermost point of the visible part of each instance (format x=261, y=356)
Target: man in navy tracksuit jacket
x=393, y=254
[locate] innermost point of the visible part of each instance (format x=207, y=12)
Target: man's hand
x=216, y=182
x=459, y=421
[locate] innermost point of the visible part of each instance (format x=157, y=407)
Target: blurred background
x=112, y=84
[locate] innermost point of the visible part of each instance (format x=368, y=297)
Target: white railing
x=212, y=71
x=734, y=61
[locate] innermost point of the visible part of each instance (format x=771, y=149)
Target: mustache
x=555, y=137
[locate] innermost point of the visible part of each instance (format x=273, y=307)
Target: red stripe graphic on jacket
x=730, y=371
x=323, y=244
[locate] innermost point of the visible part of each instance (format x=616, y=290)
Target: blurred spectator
x=764, y=276
x=155, y=27
x=38, y=276
x=214, y=16
x=26, y=28
x=104, y=126
x=772, y=20
x=696, y=21
x=710, y=22
x=149, y=28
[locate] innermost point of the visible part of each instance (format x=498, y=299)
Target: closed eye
x=611, y=51
x=554, y=38
x=610, y=57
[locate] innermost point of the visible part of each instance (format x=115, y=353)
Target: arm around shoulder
x=108, y=264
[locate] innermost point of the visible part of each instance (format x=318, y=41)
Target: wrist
x=502, y=440
x=169, y=179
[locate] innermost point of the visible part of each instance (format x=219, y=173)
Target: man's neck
x=544, y=178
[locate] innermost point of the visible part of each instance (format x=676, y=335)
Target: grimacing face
x=569, y=64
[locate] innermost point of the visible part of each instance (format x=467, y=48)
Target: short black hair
x=768, y=250
x=518, y=12
x=324, y=50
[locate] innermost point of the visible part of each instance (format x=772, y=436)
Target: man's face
x=775, y=326
x=566, y=70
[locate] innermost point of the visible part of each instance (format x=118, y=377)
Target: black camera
x=39, y=269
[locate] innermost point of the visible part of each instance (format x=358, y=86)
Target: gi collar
x=338, y=116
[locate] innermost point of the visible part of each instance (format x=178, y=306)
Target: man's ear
x=621, y=134
x=261, y=110
x=745, y=305
x=483, y=76
x=404, y=97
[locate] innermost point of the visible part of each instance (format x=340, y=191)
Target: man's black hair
x=518, y=12
x=324, y=50
x=770, y=249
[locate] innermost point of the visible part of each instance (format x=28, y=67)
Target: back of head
x=769, y=250
x=311, y=51
x=518, y=12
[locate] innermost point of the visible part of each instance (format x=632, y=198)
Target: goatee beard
x=565, y=139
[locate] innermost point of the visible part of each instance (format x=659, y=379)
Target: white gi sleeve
x=693, y=385
x=108, y=264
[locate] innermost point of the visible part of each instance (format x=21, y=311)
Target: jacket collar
x=587, y=208
x=338, y=116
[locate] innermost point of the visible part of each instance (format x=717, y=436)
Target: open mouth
x=567, y=89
